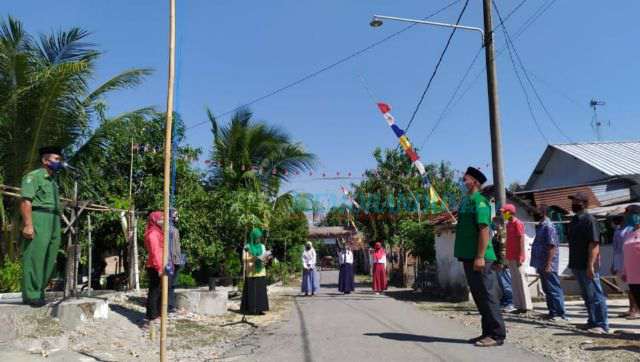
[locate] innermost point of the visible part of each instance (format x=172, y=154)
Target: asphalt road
x=363, y=327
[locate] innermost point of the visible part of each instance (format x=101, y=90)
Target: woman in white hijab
x=345, y=278
x=309, y=270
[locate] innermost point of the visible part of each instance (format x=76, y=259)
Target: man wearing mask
x=40, y=239
x=516, y=255
x=473, y=249
x=544, y=258
x=584, y=255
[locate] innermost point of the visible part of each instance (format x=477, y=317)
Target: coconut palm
x=250, y=154
x=44, y=93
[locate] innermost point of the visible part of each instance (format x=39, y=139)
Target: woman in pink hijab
x=153, y=242
x=631, y=251
x=379, y=259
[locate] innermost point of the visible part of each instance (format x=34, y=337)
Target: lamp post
x=492, y=88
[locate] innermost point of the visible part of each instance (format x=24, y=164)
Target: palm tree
x=44, y=93
x=254, y=155
x=45, y=97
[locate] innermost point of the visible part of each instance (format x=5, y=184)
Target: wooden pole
x=90, y=252
x=167, y=179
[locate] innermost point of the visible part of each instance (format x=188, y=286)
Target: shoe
x=597, y=330
x=488, y=342
x=36, y=303
x=559, y=319
x=476, y=339
x=509, y=309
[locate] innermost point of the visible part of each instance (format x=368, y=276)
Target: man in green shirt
x=473, y=248
x=40, y=209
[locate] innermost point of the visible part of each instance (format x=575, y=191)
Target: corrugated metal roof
x=612, y=158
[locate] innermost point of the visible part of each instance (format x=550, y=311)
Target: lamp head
x=375, y=23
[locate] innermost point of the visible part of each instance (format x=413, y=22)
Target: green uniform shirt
x=42, y=189
x=474, y=211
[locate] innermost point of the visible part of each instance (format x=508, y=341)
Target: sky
x=230, y=52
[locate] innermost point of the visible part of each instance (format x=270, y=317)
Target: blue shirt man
x=544, y=258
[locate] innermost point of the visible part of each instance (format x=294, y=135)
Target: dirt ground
x=558, y=341
x=122, y=337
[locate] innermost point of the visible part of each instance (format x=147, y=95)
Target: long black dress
x=254, y=293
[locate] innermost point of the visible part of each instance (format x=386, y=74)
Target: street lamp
x=377, y=22
x=492, y=89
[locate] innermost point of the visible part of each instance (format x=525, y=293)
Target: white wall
x=450, y=271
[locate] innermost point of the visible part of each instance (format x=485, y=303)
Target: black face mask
x=576, y=208
x=538, y=217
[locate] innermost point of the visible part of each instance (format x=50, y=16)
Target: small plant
x=10, y=275
x=185, y=280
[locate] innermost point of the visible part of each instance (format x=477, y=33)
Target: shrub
x=10, y=275
x=186, y=280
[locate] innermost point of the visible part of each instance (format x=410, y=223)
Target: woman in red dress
x=379, y=259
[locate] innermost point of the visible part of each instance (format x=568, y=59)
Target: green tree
x=45, y=98
x=250, y=154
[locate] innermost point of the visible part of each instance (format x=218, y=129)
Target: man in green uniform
x=40, y=209
x=473, y=249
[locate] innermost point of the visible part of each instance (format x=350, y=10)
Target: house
x=608, y=172
x=329, y=236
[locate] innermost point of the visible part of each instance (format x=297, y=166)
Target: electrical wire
x=523, y=28
x=435, y=70
x=327, y=67
x=526, y=75
x=521, y=82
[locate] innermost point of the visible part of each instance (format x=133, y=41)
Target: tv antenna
x=596, y=123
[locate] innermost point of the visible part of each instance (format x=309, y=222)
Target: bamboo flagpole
x=167, y=179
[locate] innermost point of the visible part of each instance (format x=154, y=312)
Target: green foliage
x=254, y=155
x=10, y=275
x=418, y=238
x=185, y=280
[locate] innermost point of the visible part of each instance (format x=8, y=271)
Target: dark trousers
x=486, y=294
x=504, y=280
x=153, y=297
x=634, y=289
x=173, y=283
x=594, y=299
x=553, y=293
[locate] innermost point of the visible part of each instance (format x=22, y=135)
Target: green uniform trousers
x=39, y=254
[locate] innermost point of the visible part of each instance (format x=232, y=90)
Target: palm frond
x=66, y=46
x=128, y=79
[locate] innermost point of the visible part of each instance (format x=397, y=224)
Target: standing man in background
x=516, y=255
x=40, y=239
x=584, y=261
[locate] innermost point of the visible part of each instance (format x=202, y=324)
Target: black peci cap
x=476, y=174
x=56, y=150
x=580, y=196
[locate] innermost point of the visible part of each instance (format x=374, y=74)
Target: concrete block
x=73, y=312
x=202, y=301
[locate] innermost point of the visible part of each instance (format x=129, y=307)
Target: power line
x=451, y=100
x=521, y=82
x=327, y=67
x=453, y=96
x=526, y=25
x=526, y=75
x=435, y=70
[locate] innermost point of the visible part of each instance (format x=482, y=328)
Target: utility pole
x=494, y=124
x=494, y=113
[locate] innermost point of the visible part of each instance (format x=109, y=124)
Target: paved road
x=364, y=327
